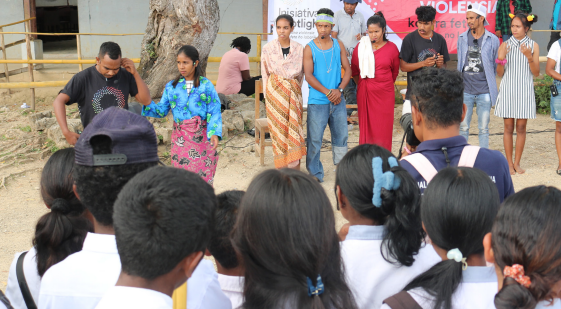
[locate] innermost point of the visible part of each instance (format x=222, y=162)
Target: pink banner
x=450, y=17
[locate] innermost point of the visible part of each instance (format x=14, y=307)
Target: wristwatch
x=340, y=89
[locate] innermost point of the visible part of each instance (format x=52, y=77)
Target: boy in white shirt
x=162, y=231
x=113, y=148
x=230, y=270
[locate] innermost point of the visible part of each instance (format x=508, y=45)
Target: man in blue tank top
x=323, y=58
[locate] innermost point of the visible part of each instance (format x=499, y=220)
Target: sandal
x=559, y=172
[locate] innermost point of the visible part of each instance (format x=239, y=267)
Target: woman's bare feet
x=518, y=169
x=511, y=168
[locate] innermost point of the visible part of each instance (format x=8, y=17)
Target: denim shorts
x=556, y=103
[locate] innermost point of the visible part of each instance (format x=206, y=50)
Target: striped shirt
x=516, y=93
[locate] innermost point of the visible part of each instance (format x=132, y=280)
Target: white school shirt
x=232, y=286
x=13, y=292
x=370, y=277
x=477, y=290
x=119, y=297
x=81, y=280
x=555, y=54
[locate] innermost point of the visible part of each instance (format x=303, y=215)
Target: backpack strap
x=4, y=300
x=422, y=165
x=469, y=155
x=24, y=288
x=402, y=300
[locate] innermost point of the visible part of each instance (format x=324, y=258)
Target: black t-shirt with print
x=415, y=48
x=94, y=93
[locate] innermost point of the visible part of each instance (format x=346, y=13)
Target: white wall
x=12, y=11
x=112, y=16
x=238, y=16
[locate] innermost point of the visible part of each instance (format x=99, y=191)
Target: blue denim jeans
x=319, y=116
x=483, y=110
x=350, y=95
x=556, y=103
x=506, y=37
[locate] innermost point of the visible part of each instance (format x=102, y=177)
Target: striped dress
x=516, y=94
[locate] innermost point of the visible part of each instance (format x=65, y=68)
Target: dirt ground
x=23, y=152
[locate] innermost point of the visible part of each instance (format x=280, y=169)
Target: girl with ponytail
x=457, y=210
x=58, y=233
x=285, y=235
x=197, y=120
x=384, y=248
x=525, y=246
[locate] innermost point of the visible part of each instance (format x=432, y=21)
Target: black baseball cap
x=133, y=139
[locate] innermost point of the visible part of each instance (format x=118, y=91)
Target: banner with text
x=399, y=14
x=400, y=17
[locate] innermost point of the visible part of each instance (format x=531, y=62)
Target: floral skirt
x=191, y=150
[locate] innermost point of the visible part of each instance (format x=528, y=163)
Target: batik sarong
x=191, y=150
x=284, y=115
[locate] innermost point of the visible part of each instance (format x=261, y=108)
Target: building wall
x=130, y=16
x=12, y=11
x=112, y=16
x=238, y=16
x=542, y=8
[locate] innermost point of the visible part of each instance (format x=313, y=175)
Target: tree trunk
x=172, y=24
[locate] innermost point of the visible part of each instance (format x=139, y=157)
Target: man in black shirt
x=423, y=48
x=108, y=83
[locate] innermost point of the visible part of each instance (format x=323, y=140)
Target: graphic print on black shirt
x=425, y=54
x=474, y=63
x=95, y=93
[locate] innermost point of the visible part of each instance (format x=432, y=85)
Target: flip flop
x=559, y=172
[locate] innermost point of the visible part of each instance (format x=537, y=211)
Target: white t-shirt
x=477, y=290
x=370, y=277
x=13, y=292
x=555, y=54
x=232, y=286
x=119, y=297
x=83, y=278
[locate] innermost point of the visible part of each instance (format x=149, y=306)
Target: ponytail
x=59, y=234
x=404, y=232
x=399, y=211
x=514, y=296
x=457, y=209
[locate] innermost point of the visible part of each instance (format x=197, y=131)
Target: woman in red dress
x=375, y=65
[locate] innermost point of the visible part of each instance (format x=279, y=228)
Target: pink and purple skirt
x=191, y=150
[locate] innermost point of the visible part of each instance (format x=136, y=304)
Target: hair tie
x=385, y=180
x=511, y=15
x=456, y=255
x=530, y=17
x=60, y=205
x=516, y=272
x=317, y=289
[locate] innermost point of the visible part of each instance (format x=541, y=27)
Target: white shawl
x=366, y=62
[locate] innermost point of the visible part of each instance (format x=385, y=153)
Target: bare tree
x=172, y=24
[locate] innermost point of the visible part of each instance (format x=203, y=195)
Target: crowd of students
x=441, y=228
x=125, y=232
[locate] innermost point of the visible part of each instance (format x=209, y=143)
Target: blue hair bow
x=315, y=290
x=385, y=180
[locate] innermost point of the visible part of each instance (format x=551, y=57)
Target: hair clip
x=511, y=15
x=530, y=17
x=456, y=255
x=317, y=289
x=516, y=272
x=385, y=180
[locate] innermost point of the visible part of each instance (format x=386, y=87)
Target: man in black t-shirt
x=423, y=48
x=108, y=83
